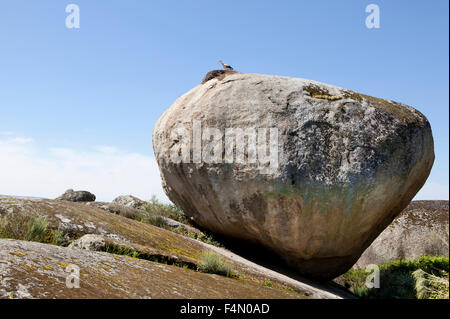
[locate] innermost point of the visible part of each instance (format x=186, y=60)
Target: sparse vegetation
x=429, y=286
x=36, y=229
x=139, y=254
x=157, y=221
x=154, y=213
x=425, y=277
x=149, y=211
x=58, y=238
x=198, y=235
x=318, y=92
x=214, y=264
x=155, y=207
x=29, y=227
x=121, y=250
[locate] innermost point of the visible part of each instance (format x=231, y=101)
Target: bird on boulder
x=226, y=66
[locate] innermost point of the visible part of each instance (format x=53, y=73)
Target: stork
x=226, y=66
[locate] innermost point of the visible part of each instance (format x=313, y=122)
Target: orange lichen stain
x=27, y=267
x=18, y=254
x=132, y=258
x=62, y=265
x=107, y=269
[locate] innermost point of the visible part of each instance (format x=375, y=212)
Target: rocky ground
x=140, y=260
x=35, y=270
x=165, y=266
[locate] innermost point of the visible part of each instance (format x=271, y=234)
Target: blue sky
x=78, y=105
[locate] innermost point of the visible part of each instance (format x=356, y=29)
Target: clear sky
x=77, y=106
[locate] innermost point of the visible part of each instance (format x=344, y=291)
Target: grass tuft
x=429, y=286
x=214, y=264
x=29, y=227
x=424, y=277
x=155, y=207
x=36, y=229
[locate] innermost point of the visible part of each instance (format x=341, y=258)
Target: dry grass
x=30, y=228
x=214, y=264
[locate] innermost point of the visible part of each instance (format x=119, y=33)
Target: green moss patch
x=318, y=92
x=391, y=107
x=124, y=250
x=426, y=277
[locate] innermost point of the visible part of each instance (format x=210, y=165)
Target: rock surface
x=77, y=196
x=89, y=242
x=138, y=213
x=128, y=200
x=34, y=270
x=421, y=229
x=344, y=165
x=78, y=219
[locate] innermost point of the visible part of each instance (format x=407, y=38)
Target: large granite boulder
x=311, y=171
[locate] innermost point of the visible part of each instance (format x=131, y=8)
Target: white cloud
x=21, y=140
x=106, y=171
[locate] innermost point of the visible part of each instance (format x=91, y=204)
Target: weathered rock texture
x=77, y=196
x=34, y=270
x=128, y=200
x=421, y=229
x=89, y=242
x=77, y=220
x=348, y=164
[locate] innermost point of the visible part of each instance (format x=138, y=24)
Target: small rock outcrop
x=310, y=171
x=217, y=74
x=89, y=242
x=77, y=196
x=129, y=201
x=421, y=229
